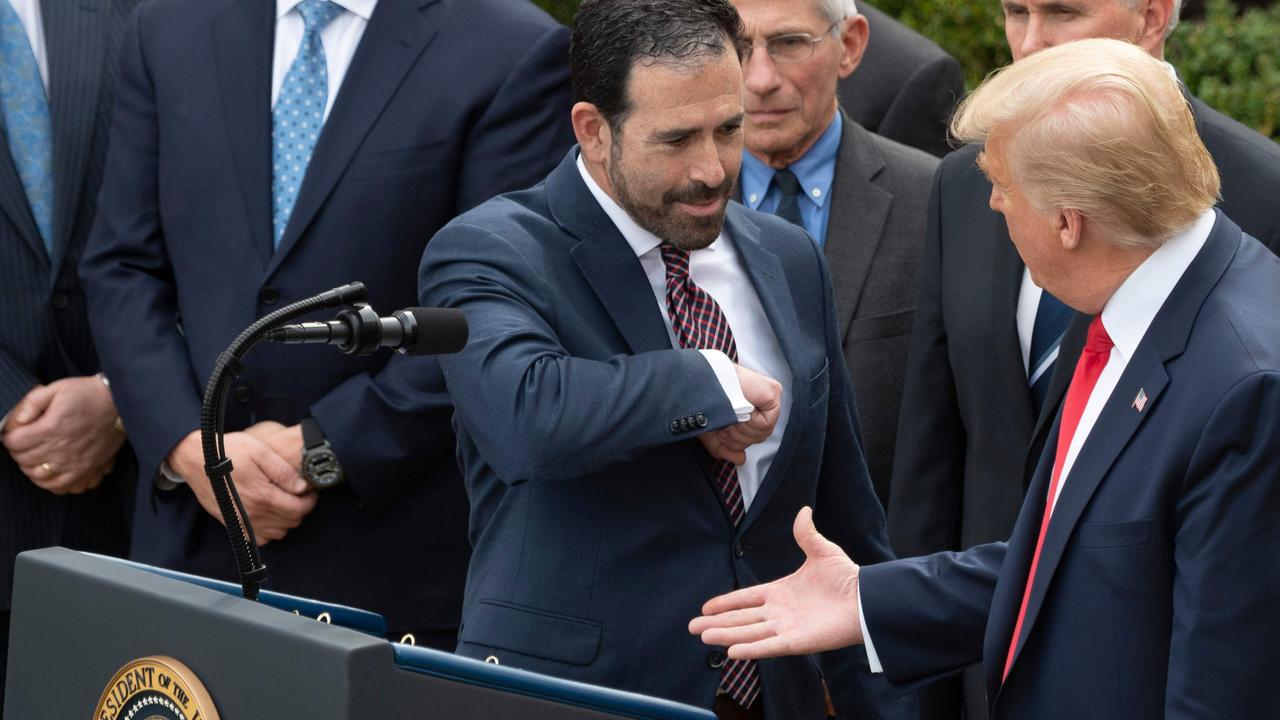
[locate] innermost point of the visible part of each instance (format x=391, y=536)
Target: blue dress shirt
x=815, y=170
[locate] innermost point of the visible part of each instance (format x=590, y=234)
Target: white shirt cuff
x=168, y=479
x=873, y=660
x=728, y=377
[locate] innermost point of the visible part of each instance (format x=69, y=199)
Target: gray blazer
x=880, y=199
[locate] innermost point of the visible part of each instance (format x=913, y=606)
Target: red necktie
x=699, y=323
x=1097, y=351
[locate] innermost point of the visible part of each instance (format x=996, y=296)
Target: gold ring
x=47, y=470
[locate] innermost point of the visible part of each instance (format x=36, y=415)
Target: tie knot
x=676, y=260
x=318, y=13
x=786, y=182
x=1098, y=341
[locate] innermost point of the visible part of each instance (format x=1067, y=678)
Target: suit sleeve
x=928, y=464
x=922, y=108
x=1225, y=641
x=533, y=409
x=525, y=131
x=929, y=614
x=15, y=382
x=128, y=279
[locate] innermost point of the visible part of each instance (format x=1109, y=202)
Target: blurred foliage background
x=1228, y=52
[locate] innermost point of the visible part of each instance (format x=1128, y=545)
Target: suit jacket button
x=59, y=301
x=269, y=295
x=739, y=549
x=702, y=420
x=242, y=393
x=675, y=427
x=716, y=659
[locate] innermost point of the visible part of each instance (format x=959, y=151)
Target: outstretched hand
x=811, y=610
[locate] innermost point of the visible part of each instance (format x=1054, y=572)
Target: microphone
x=359, y=331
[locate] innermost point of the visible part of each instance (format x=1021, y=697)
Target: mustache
x=699, y=192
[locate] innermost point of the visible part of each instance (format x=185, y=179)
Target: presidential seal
x=155, y=688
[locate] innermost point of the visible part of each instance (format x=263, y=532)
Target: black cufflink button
x=702, y=420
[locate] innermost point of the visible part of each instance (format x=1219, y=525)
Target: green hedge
x=1229, y=59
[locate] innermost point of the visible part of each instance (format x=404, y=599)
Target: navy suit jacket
x=181, y=261
x=596, y=526
x=1157, y=586
x=962, y=462
x=44, y=323
x=906, y=86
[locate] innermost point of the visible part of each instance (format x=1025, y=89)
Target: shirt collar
x=363, y=8
x=1132, y=308
x=815, y=169
x=641, y=241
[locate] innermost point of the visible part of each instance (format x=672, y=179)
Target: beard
x=681, y=230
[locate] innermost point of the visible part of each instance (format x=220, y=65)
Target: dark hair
x=612, y=36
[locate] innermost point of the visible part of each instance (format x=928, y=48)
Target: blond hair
x=1101, y=127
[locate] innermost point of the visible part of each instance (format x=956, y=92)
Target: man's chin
x=695, y=232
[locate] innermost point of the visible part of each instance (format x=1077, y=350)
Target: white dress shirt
x=340, y=39
x=717, y=270
x=1126, y=317
x=32, y=21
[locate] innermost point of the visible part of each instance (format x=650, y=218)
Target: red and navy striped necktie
x=699, y=323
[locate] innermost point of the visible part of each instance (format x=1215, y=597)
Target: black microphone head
x=439, y=331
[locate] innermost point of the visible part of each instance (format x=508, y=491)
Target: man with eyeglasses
x=860, y=196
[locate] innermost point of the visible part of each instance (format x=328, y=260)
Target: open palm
x=811, y=610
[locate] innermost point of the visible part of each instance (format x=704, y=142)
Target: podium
x=79, y=622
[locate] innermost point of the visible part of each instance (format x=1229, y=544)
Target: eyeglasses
x=789, y=49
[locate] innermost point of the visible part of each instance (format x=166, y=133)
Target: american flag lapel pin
x=1140, y=400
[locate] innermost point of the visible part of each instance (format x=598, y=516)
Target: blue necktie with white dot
x=299, y=113
x=27, y=125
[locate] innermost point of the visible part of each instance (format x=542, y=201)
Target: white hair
x=836, y=10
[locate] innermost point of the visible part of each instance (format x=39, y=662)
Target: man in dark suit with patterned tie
x=264, y=152
x=653, y=383
x=63, y=471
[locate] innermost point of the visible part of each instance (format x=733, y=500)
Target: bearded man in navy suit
x=1140, y=580
x=653, y=385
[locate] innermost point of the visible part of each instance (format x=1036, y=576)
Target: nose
x=1036, y=38
x=705, y=167
x=760, y=74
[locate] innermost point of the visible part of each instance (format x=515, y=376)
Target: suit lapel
x=243, y=42
x=391, y=44
x=1013, y=573
x=1165, y=339
x=75, y=42
x=764, y=269
x=1064, y=367
x=14, y=204
x=606, y=260
x=859, y=210
x=1006, y=285
x=1111, y=433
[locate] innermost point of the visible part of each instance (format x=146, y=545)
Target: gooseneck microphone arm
x=216, y=463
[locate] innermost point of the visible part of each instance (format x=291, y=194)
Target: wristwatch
x=319, y=463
